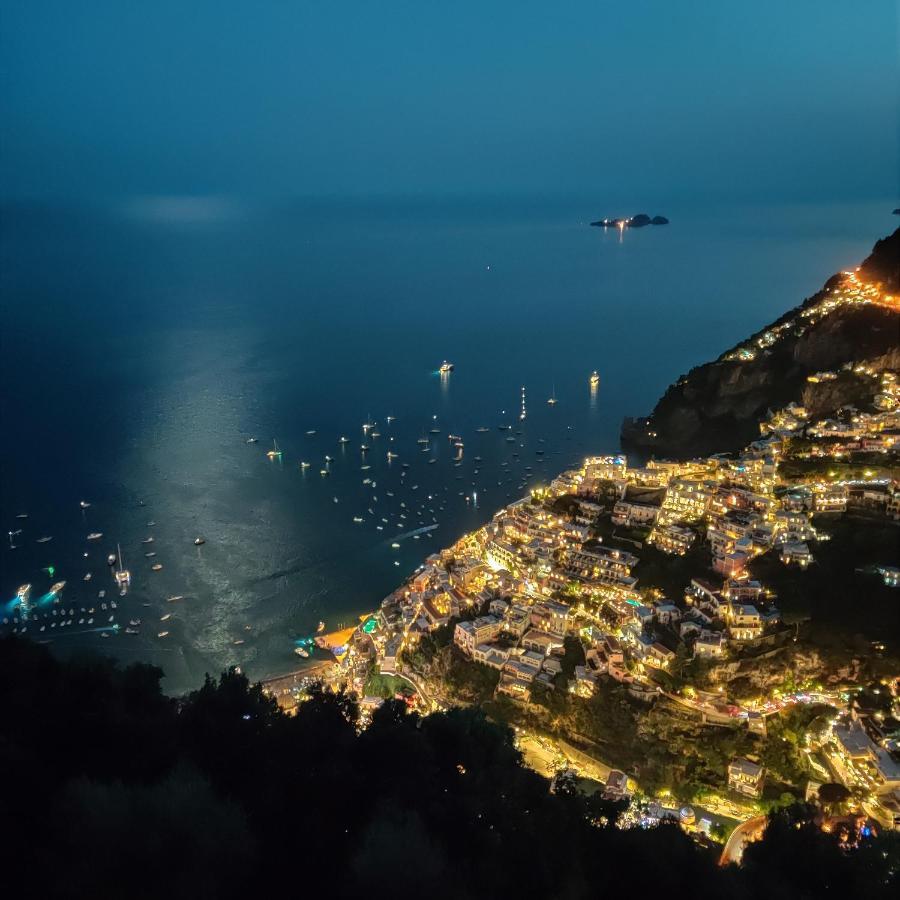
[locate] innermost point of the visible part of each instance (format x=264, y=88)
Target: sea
x=146, y=340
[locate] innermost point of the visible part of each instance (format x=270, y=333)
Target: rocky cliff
x=717, y=407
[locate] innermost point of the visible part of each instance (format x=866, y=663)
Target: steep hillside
x=716, y=407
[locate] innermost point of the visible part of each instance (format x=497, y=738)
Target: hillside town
x=548, y=598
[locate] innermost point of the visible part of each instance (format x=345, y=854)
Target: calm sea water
x=145, y=341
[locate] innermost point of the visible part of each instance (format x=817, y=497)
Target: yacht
x=56, y=588
x=595, y=378
x=274, y=453
x=123, y=576
x=446, y=367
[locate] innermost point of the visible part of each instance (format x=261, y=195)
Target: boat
x=88, y=576
x=343, y=440
x=482, y=429
x=434, y=430
x=304, y=464
x=301, y=651
x=274, y=453
x=389, y=419
x=147, y=540
x=320, y=627
x=43, y=540
x=123, y=576
x=95, y=536
x=103, y=634
x=162, y=634
x=252, y=440
x=134, y=622
x=552, y=398
x=22, y=516
x=335, y=499
x=432, y=461
x=364, y=447
x=237, y=642
x=311, y=431
x=446, y=367
x=130, y=630
x=395, y=545
x=156, y=567
x=323, y=472
x=84, y=504
x=199, y=541
x=111, y=559
x=422, y=440
x=174, y=598
x=327, y=458
x=595, y=378
x=166, y=616
x=357, y=519
x=392, y=455
x=56, y=588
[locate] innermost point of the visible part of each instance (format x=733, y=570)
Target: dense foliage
x=114, y=790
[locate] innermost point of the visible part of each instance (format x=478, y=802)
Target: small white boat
x=163, y=618
x=84, y=504
x=300, y=651
x=162, y=634
x=357, y=519
x=304, y=464
x=199, y=541
x=43, y=540
x=95, y=536
x=311, y=431
x=156, y=567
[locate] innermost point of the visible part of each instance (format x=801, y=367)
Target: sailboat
x=274, y=453
x=552, y=399
x=123, y=576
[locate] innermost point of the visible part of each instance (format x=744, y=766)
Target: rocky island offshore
x=636, y=221
x=821, y=355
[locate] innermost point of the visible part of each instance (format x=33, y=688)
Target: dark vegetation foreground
x=111, y=789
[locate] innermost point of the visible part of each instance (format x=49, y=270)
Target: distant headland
x=638, y=221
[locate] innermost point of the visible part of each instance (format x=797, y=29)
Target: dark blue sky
x=771, y=98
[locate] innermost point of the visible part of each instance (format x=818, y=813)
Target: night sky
x=769, y=99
